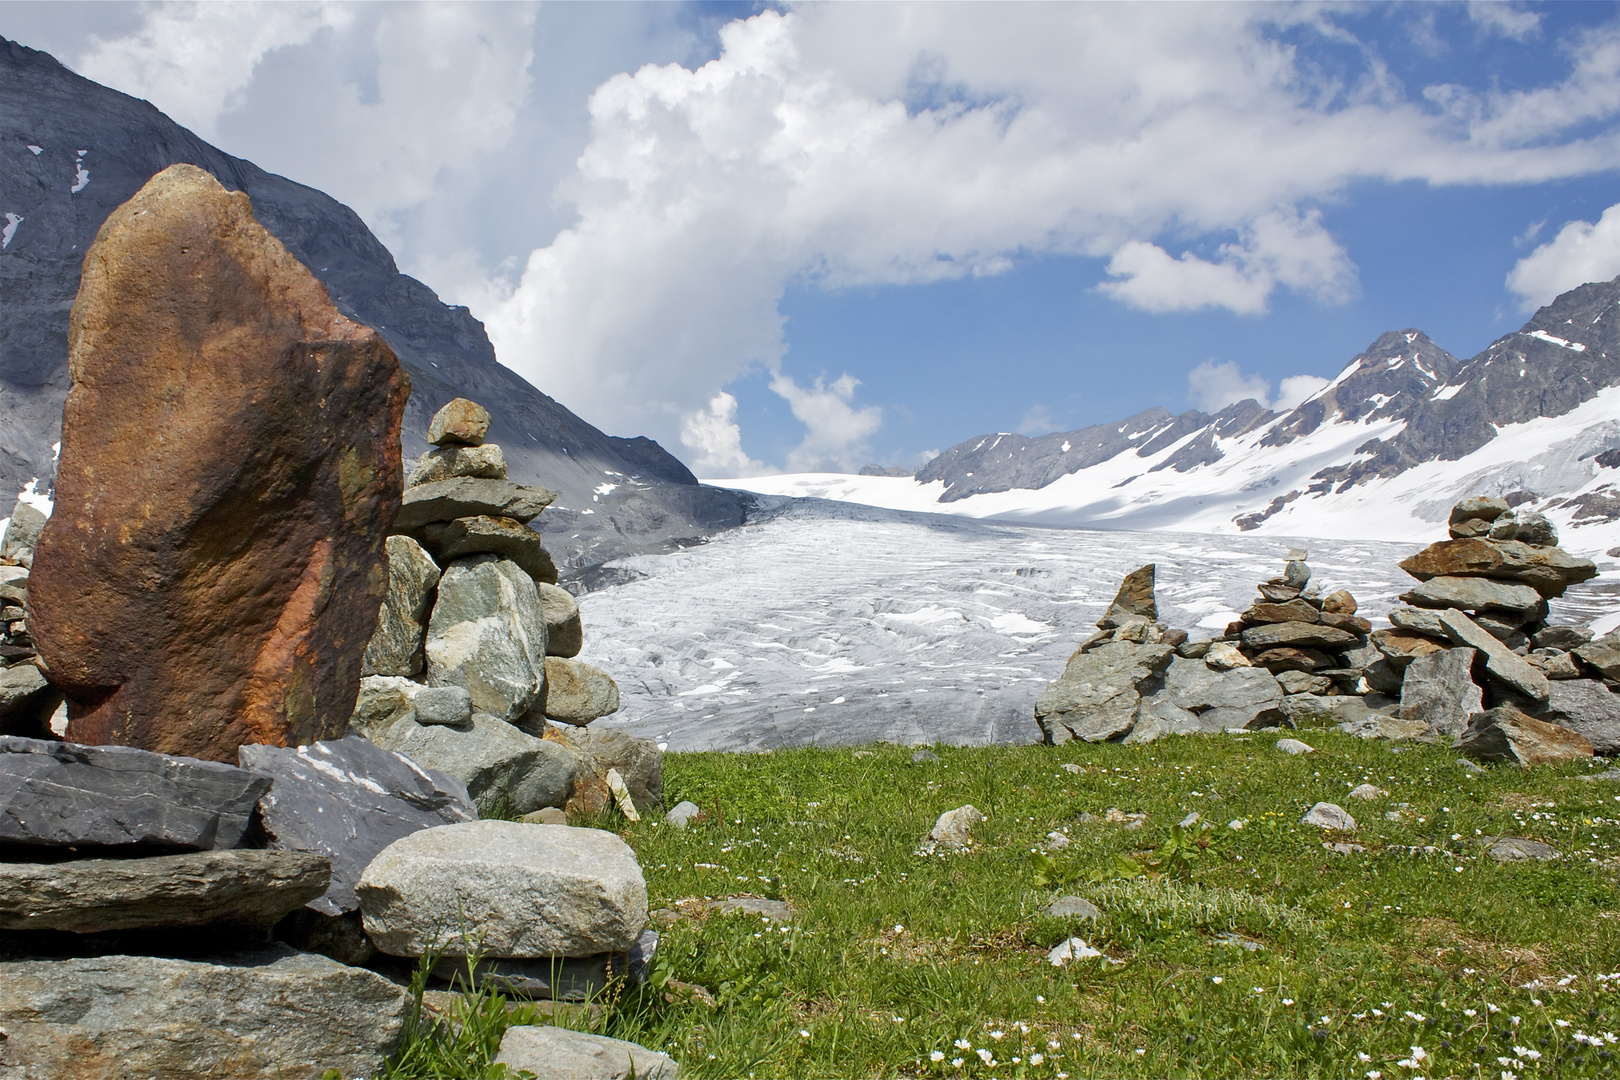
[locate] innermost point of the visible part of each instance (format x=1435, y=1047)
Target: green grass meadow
x=1260, y=954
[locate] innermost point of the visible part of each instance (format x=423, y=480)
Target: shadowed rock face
x=230, y=465
x=444, y=349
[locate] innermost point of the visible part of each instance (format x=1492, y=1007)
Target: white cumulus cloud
x=195, y=59
x=1294, y=389
x=855, y=144
x=836, y=430
x=653, y=236
x=1582, y=251
x=1212, y=386
x=714, y=440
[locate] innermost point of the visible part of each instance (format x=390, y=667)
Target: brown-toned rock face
x=230, y=468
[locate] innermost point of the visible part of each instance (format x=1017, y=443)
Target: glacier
x=835, y=624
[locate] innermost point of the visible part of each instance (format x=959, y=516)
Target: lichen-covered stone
x=396, y=646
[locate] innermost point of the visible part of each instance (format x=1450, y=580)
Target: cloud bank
x=889, y=145
x=1188, y=149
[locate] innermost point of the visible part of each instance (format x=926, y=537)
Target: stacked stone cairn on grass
x=1469, y=658
x=257, y=909
x=1477, y=659
x=1137, y=679
x=473, y=669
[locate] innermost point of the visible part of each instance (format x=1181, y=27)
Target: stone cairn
x=1469, y=657
x=472, y=668
x=308, y=873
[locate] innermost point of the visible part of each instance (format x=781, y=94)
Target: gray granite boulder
x=485, y=462
x=1587, y=707
x=500, y=765
x=55, y=794
x=1500, y=662
x=1439, y=691
x=1099, y=692
x=565, y=636
x=487, y=635
x=577, y=693
x=1235, y=697
x=560, y=1052
x=396, y=646
x=86, y=896
x=346, y=800
x=461, y=497
x=267, y=1015
x=514, y=889
x=22, y=530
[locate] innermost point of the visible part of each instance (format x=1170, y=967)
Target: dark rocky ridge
x=82, y=127
x=1450, y=408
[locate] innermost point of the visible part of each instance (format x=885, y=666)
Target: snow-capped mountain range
x=1381, y=452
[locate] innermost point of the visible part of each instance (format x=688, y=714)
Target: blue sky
x=815, y=236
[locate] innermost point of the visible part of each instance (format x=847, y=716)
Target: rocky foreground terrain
x=262, y=690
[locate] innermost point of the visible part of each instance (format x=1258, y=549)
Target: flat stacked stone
x=1301, y=636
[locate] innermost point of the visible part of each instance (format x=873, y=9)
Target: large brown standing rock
x=230, y=466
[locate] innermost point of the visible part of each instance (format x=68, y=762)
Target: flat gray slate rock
x=460, y=497
x=57, y=794
x=1515, y=849
x=88, y=896
x=558, y=1052
x=270, y=1014
x=1587, y=707
x=347, y=800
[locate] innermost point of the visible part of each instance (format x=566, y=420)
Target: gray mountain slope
x=96, y=147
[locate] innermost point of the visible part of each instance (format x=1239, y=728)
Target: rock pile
x=1137, y=679
x=1310, y=642
x=474, y=651
x=212, y=581
x=1469, y=656
x=133, y=917
x=28, y=703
